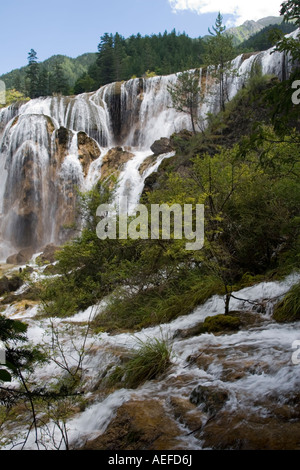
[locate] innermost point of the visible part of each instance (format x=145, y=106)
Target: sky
x=73, y=27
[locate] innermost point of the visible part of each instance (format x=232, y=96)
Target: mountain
x=73, y=68
x=250, y=27
x=262, y=40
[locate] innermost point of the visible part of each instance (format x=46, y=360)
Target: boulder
x=22, y=257
x=4, y=285
x=161, y=146
x=10, y=284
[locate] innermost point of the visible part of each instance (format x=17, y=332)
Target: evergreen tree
x=186, y=96
x=32, y=75
x=59, y=82
x=219, y=53
x=105, y=59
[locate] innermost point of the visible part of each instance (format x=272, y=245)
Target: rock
x=211, y=399
x=221, y=323
x=243, y=431
x=14, y=283
x=161, y=146
x=139, y=425
x=113, y=161
x=88, y=150
x=4, y=286
x=48, y=255
x=187, y=413
x=147, y=163
x=22, y=257
x=10, y=284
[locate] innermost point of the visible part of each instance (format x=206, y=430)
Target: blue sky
x=73, y=27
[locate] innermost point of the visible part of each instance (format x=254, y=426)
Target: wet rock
x=139, y=425
x=211, y=399
x=147, y=163
x=161, y=146
x=22, y=257
x=113, y=162
x=187, y=413
x=221, y=323
x=88, y=150
x=244, y=431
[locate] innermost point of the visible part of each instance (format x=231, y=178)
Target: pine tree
x=32, y=75
x=105, y=59
x=219, y=53
x=59, y=82
x=186, y=96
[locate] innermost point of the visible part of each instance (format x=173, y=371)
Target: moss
x=288, y=309
x=220, y=323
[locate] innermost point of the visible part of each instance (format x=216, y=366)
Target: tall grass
x=288, y=309
x=147, y=362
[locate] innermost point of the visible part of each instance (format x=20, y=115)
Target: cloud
x=242, y=9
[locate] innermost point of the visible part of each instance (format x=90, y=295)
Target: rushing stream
x=253, y=366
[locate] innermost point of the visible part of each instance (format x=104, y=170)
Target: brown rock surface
x=139, y=425
x=88, y=151
x=113, y=162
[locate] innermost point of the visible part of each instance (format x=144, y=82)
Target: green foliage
x=288, y=309
x=247, y=177
x=219, y=53
x=121, y=59
x=186, y=95
x=147, y=362
x=13, y=96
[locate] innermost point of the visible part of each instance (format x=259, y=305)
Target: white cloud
x=242, y=9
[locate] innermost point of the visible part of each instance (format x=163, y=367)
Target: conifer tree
x=32, y=75
x=186, y=95
x=219, y=53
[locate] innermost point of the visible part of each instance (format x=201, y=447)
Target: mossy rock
x=220, y=323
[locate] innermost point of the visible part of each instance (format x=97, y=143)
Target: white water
x=267, y=346
x=146, y=114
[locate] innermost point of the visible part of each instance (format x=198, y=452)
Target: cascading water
x=40, y=162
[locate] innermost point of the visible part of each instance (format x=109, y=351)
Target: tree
x=219, y=53
x=290, y=10
x=186, y=96
x=105, y=59
x=33, y=74
x=59, y=82
x=84, y=84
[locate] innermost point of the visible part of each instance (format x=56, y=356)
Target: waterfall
x=40, y=162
